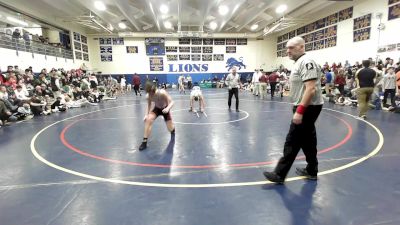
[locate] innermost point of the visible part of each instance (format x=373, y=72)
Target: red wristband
x=301, y=109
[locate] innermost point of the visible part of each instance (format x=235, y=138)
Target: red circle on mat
x=81, y=152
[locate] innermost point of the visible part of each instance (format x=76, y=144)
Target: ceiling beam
x=127, y=11
x=207, y=11
x=179, y=15
x=255, y=12
x=153, y=12
x=228, y=17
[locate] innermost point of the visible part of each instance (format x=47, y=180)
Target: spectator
x=365, y=81
x=389, y=87
x=340, y=81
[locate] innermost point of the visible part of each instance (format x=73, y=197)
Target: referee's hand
x=297, y=118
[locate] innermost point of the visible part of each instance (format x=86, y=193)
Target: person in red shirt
x=136, y=84
x=273, y=80
x=340, y=80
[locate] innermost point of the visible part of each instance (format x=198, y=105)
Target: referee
x=306, y=95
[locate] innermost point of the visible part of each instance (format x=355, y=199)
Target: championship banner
x=310, y=27
x=106, y=49
x=292, y=34
x=196, y=49
x=231, y=41
x=308, y=37
x=332, y=19
x=195, y=57
x=362, y=22
x=77, y=36
x=83, y=39
x=320, y=23
x=172, y=58
x=85, y=57
x=319, y=35
x=106, y=58
x=301, y=30
x=285, y=37
x=208, y=41
x=184, y=57
x=394, y=12
x=131, y=49
x=184, y=49
x=118, y=41
x=319, y=45
x=105, y=41
x=230, y=49
x=219, y=41
x=346, y=14
x=78, y=55
x=207, y=57
x=218, y=57
x=279, y=39
x=207, y=49
x=184, y=41
x=77, y=46
x=362, y=35
x=85, y=48
x=309, y=47
x=330, y=42
x=171, y=48
x=156, y=64
x=242, y=41
x=197, y=41
x=331, y=31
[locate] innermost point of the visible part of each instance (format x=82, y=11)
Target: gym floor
x=83, y=166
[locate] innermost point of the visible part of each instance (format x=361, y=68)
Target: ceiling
x=187, y=17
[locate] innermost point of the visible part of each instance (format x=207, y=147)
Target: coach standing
x=306, y=95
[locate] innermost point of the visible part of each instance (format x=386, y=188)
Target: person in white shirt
x=196, y=95
x=389, y=86
x=21, y=94
x=181, y=84
x=123, y=84
x=233, y=83
x=256, y=83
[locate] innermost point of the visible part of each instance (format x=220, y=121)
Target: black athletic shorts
x=159, y=112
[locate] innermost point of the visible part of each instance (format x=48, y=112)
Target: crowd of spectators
x=339, y=83
x=24, y=94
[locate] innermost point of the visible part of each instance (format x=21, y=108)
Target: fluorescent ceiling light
x=122, y=25
x=167, y=25
x=223, y=10
x=281, y=9
x=254, y=26
x=213, y=25
x=164, y=9
x=99, y=5
x=12, y=19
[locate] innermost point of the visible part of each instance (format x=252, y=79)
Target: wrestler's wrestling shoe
x=143, y=146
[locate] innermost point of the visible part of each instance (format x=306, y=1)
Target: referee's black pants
x=302, y=136
x=233, y=91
